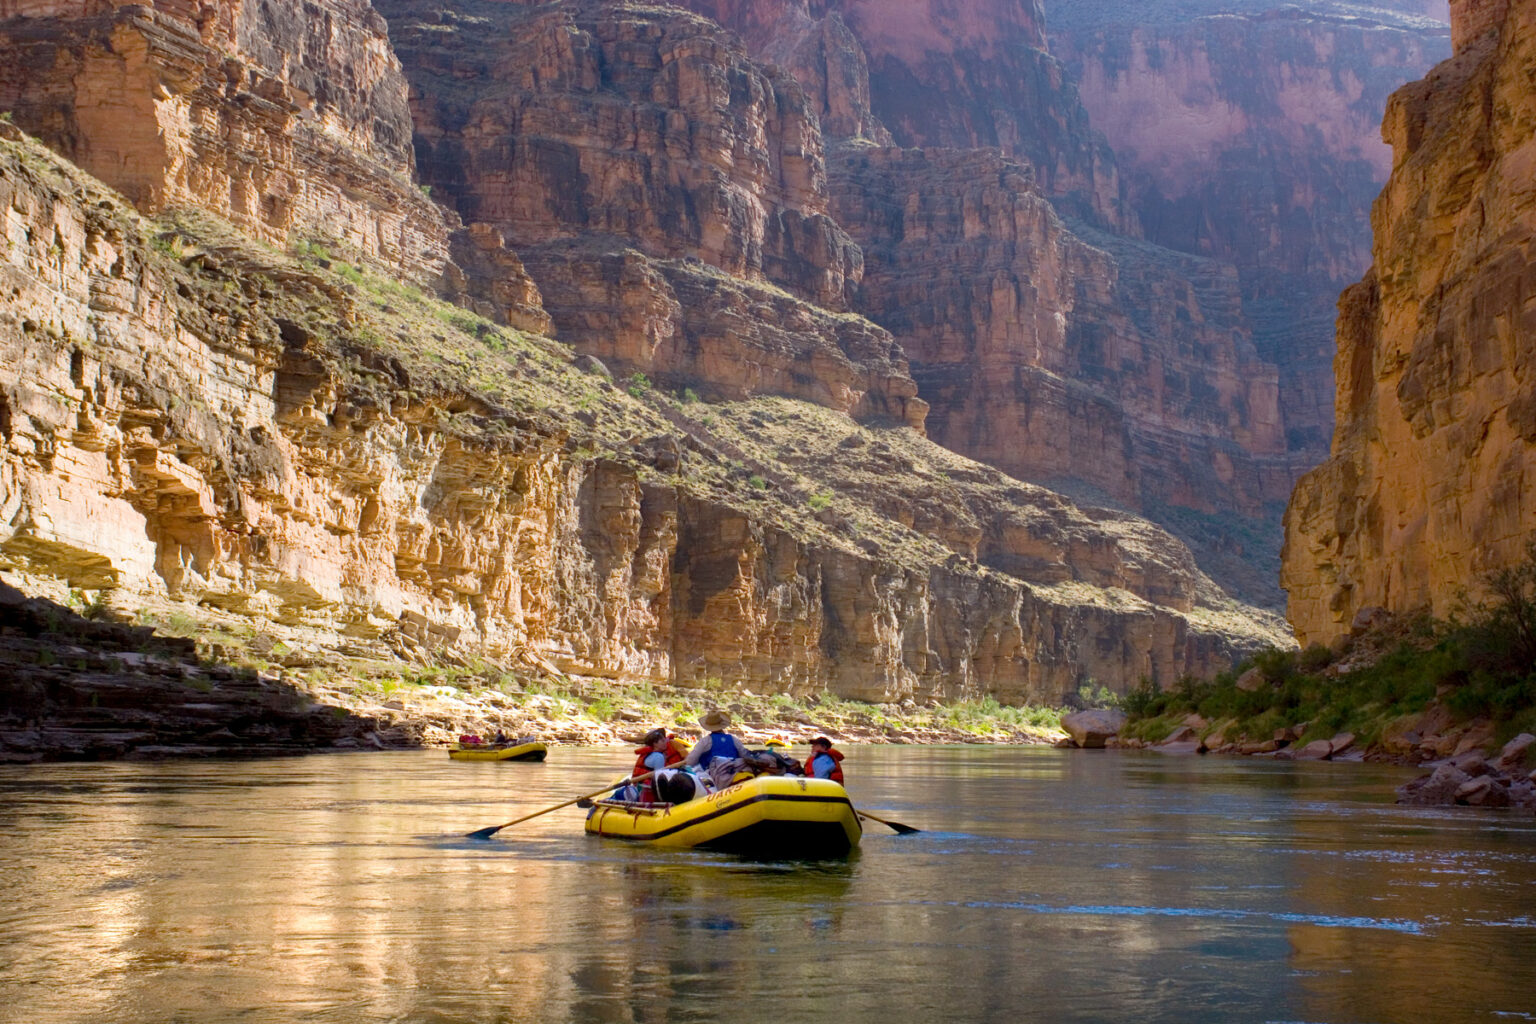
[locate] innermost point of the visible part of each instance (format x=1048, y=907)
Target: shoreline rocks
x=1092, y=729
x=1470, y=779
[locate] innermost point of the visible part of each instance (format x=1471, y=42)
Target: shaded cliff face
x=1249, y=132
x=291, y=120
x=1111, y=363
x=667, y=194
x=1430, y=479
x=1049, y=348
x=183, y=412
x=929, y=73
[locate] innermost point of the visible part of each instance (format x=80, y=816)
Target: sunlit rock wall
x=1433, y=471
x=288, y=118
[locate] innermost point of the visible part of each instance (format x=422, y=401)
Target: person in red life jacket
x=660, y=750
x=824, y=762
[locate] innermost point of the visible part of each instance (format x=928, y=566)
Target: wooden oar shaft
x=898, y=826
x=486, y=833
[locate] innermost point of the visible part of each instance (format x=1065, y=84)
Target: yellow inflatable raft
x=771, y=815
x=531, y=751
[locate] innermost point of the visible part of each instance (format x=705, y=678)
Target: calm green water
x=1052, y=886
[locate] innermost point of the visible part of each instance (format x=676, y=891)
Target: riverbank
x=77, y=683
x=1458, y=697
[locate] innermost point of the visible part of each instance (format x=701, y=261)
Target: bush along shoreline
x=1459, y=695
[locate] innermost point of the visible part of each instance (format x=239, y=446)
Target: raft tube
x=771, y=815
x=534, y=751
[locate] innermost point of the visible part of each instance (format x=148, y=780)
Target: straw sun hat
x=715, y=721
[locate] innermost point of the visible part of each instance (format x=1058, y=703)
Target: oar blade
x=484, y=833
x=896, y=826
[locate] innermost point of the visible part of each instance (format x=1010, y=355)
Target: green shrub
x=1145, y=700
x=1484, y=667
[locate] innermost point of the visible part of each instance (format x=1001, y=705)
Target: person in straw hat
x=718, y=753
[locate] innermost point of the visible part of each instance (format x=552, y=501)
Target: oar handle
x=486, y=833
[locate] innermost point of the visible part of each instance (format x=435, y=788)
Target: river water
x=1047, y=886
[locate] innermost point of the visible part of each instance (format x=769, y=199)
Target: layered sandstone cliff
x=928, y=73
x=1429, y=483
x=667, y=194
x=1110, y=363
x=1057, y=352
x=1248, y=131
x=186, y=414
x=289, y=120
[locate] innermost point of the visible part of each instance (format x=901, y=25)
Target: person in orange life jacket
x=660, y=750
x=824, y=762
x=719, y=753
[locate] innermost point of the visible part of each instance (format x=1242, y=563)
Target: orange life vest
x=837, y=764
x=675, y=752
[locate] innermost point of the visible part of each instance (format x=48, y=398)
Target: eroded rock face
x=667, y=193
x=1430, y=479
x=1052, y=358
x=684, y=324
x=1249, y=132
x=931, y=73
x=818, y=48
x=197, y=416
x=574, y=119
x=289, y=119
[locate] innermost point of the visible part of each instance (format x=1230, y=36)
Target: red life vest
x=837, y=764
x=675, y=752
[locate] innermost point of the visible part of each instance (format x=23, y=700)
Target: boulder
x=1342, y=742
x=1401, y=736
x=1252, y=680
x=1472, y=762
x=1317, y=750
x=1179, y=747
x=1183, y=734
x=1515, y=752
x=1484, y=791
x=1090, y=729
x=1478, y=737
x=1436, y=789
x=1267, y=747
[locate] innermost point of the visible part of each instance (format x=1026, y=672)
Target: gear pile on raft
x=720, y=795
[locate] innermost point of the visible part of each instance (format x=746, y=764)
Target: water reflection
x=1048, y=886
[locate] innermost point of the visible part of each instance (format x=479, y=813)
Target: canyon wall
x=1431, y=478
x=1046, y=337
x=928, y=73
x=1105, y=362
x=1248, y=132
x=289, y=119
x=186, y=413
x=667, y=194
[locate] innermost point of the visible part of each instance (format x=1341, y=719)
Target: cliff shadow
x=81, y=687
